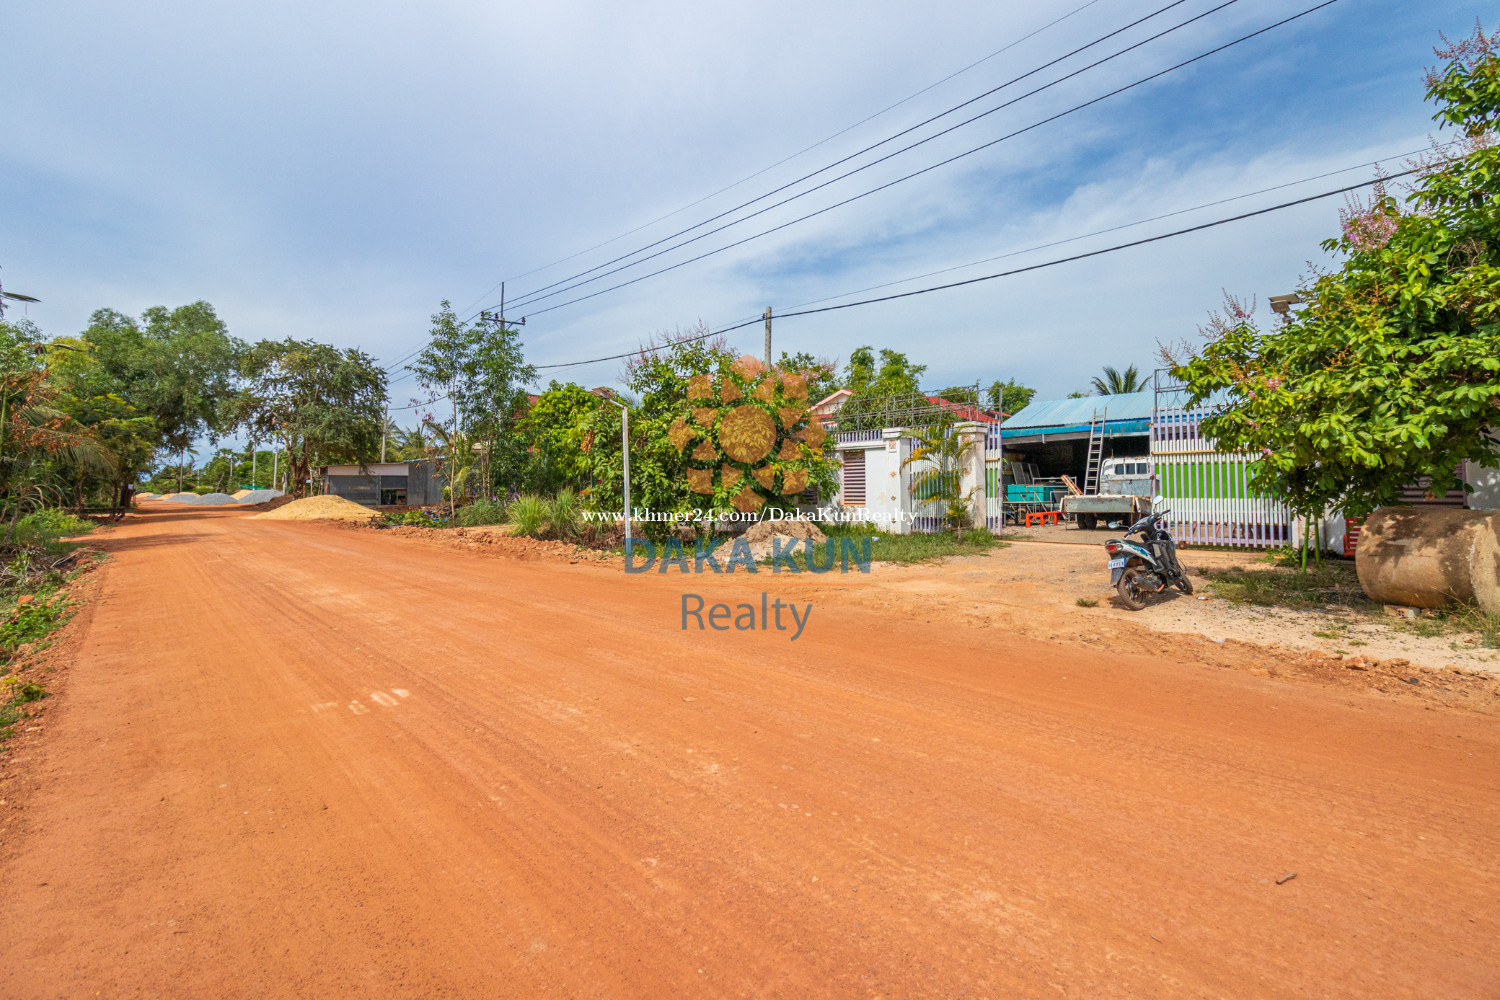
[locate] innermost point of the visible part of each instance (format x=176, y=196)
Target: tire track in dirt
x=885, y=807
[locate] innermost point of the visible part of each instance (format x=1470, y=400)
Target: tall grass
x=564, y=516
x=43, y=527
x=528, y=515
x=559, y=517
x=481, y=512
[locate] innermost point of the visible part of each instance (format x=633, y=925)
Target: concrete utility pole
x=385, y=423
x=499, y=317
x=625, y=451
x=768, y=338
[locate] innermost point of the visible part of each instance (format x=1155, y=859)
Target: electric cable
x=1124, y=225
x=532, y=295
x=917, y=173
x=787, y=159
x=1014, y=271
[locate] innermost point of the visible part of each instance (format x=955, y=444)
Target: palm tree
x=945, y=453
x=14, y=297
x=1115, y=383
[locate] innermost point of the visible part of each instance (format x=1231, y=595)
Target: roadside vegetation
x=1387, y=374
x=1331, y=586
x=893, y=548
x=38, y=565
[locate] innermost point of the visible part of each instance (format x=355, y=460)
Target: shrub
x=31, y=622
x=481, y=512
x=414, y=518
x=44, y=526
x=529, y=515
x=563, y=516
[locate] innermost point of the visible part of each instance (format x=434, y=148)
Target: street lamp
x=625, y=450
x=1281, y=305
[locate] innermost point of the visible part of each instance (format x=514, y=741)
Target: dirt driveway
x=297, y=760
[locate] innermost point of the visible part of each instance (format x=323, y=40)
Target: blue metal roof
x=1054, y=414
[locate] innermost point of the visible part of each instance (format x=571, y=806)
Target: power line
x=787, y=159
x=1019, y=270
x=917, y=173
x=418, y=406
x=1125, y=225
x=533, y=295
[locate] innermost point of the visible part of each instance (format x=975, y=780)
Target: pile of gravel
x=214, y=499
x=181, y=498
x=256, y=496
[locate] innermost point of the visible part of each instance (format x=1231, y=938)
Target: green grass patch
x=1087, y=602
x=45, y=527
x=1460, y=619
x=413, y=518
x=1331, y=585
x=913, y=548
x=31, y=622
x=480, y=512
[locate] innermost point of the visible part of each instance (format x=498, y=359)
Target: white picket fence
x=1208, y=491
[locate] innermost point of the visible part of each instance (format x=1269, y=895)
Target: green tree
x=323, y=404
x=482, y=369
x=1115, y=382
x=554, y=432
x=878, y=387
x=176, y=367
x=1009, y=396
x=822, y=374
x=941, y=454
x=658, y=377
x=1391, y=372
x=43, y=450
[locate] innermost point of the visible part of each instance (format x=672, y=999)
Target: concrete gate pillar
x=971, y=480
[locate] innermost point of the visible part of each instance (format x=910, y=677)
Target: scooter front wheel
x=1130, y=590
x=1185, y=585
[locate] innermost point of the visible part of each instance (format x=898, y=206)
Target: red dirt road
x=298, y=760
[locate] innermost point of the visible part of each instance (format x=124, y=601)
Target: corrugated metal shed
x=1126, y=413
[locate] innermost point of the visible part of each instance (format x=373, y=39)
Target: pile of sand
x=761, y=533
x=256, y=496
x=237, y=494
x=321, y=508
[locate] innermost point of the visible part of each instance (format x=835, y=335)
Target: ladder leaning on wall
x=1096, y=454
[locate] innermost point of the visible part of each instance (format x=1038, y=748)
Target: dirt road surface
x=300, y=760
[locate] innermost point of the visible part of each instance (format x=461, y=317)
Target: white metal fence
x=1208, y=491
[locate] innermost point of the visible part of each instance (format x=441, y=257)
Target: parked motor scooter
x=1150, y=566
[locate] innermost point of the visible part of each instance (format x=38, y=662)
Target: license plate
x=1118, y=563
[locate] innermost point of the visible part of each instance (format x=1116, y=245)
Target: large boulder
x=1428, y=557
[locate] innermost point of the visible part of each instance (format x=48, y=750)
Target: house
x=1053, y=434
x=825, y=410
x=386, y=484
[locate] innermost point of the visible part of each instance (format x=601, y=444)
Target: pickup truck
x=1124, y=494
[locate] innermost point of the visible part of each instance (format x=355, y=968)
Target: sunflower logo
x=748, y=433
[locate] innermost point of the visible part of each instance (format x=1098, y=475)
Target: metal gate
x=1208, y=491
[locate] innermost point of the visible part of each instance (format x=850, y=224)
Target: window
x=852, y=478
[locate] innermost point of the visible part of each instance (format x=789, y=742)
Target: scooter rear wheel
x=1132, y=594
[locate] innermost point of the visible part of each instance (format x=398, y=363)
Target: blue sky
x=332, y=171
